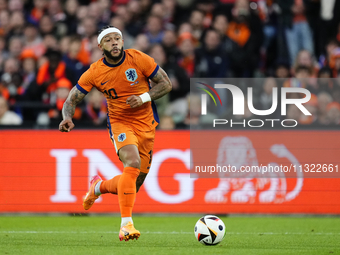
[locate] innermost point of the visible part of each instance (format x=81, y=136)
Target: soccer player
x=123, y=76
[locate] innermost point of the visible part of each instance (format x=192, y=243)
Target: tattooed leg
x=140, y=180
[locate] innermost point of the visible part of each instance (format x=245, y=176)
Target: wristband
x=145, y=97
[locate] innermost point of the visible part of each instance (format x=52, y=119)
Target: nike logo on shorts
x=104, y=82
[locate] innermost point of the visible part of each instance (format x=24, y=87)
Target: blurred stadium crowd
x=45, y=46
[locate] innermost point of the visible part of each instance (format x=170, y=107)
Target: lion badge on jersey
x=131, y=74
x=121, y=137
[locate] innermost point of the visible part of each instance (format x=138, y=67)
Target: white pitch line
x=160, y=232
x=84, y=232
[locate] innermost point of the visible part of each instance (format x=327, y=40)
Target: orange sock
x=127, y=190
x=110, y=186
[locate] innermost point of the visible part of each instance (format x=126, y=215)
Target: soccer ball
x=209, y=230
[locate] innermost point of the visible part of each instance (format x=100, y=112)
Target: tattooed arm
x=162, y=87
x=75, y=96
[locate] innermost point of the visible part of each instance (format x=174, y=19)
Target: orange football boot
x=128, y=232
x=90, y=196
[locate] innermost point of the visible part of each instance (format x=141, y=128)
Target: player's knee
x=134, y=162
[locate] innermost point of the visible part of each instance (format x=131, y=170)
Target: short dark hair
x=302, y=68
x=325, y=69
x=103, y=28
x=50, y=53
x=75, y=38
x=333, y=41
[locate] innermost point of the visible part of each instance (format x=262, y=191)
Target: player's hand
x=134, y=101
x=66, y=125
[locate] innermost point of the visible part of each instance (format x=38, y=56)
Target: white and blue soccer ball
x=209, y=230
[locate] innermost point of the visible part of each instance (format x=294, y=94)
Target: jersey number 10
x=109, y=93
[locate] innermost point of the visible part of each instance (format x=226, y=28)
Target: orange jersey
x=117, y=82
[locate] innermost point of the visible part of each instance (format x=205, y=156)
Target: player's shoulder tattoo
x=161, y=74
x=76, y=96
x=162, y=84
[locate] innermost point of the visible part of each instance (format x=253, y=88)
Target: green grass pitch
x=167, y=235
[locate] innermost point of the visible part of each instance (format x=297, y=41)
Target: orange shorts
x=122, y=134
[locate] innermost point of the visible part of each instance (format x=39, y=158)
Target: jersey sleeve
x=86, y=81
x=147, y=64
